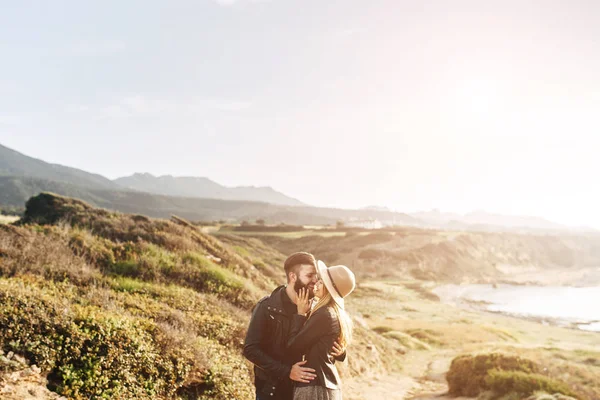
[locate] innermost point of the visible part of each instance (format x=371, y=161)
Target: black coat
x=265, y=346
x=313, y=339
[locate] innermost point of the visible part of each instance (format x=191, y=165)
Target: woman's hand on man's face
x=303, y=301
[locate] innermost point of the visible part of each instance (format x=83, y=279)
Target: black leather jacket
x=265, y=346
x=313, y=338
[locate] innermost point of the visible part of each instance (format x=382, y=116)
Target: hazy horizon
x=457, y=107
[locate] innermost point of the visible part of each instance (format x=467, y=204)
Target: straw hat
x=338, y=280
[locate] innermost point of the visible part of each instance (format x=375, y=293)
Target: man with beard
x=265, y=344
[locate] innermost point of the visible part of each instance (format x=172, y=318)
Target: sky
x=413, y=105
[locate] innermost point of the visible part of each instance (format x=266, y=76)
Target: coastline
x=454, y=295
x=536, y=276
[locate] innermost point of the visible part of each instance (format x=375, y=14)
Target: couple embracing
x=298, y=332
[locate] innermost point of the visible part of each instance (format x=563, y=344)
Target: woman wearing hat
x=314, y=332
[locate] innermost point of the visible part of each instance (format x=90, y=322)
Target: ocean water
x=580, y=305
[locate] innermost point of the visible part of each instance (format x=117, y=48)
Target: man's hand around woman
x=302, y=374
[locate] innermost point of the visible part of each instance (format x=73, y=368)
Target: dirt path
x=423, y=378
x=393, y=387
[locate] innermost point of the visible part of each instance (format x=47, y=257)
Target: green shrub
x=95, y=250
x=383, y=329
x=128, y=268
x=87, y=352
x=90, y=352
x=425, y=335
x=467, y=374
x=523, y=383
x=42, y=251
x=49, y=208
x=407, y=340
x=125, y=284
x=206, y=276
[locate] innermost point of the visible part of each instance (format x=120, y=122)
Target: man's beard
x=299, y=285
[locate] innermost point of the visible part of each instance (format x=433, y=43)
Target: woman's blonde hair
x=343, y=317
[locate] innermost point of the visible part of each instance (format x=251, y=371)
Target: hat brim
x=326, y=278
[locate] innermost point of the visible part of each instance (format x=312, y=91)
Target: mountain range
x=199, y=198
x=22, y=177
x=202, y=187
x=20, y=167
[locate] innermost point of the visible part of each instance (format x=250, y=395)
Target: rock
x=19, y=359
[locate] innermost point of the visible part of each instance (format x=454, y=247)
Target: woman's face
x=320, y=289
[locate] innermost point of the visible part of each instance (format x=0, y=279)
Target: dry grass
x=289, y=235
x=446, y=256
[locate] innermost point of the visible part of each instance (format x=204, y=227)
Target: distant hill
x=204, y=188
x=28, y=172
x=13, y=163
x=15, y=191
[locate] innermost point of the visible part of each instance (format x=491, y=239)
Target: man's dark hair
x=293, y=262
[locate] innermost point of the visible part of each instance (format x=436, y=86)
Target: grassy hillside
x=102, y=304
x=445, y=255
x=125, y=306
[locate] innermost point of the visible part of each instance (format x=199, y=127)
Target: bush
x=523, y=383
x=42, y=251
x=407, y=340
x=95, y=250
x=467, y=374
x=90, y=352
x=86, y=351
x=425, y=335
x=206, y=276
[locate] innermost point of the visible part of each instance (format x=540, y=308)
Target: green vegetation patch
x=426, y=335
x=523, y=383
x=467, y=374
x=407, y=340
x=87, y=352
x=121, y=344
